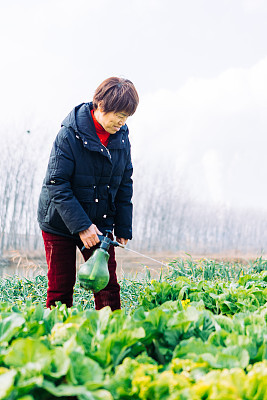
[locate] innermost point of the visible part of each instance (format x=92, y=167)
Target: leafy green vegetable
x=7, y=378
x=10, y=326
x=175, y=344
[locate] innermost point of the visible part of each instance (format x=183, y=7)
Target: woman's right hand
x=89, y=236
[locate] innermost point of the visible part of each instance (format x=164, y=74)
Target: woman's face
x=111, y=122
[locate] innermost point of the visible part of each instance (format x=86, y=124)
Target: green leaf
x=28, y=380
x=24, y=351
x=62, y=332
x=84, y=370
x=232, y=357
x=121, y=383
x=59, y=364
x=225, y=323
x=239, y=356
x=193, y=347
x=54, y=316
x=80, y=391
x=6, y=383
x=65, y=390
x=218, y=338
x=111, y=350
x=96, y=395
x=183, y=320
x=228, y=307
x=204, y=326
x=117, y=322
x=10, y=326
x=38, y=312
x=172, y=305
x=154, y=323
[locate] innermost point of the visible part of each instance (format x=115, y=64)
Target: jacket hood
x=81, y=121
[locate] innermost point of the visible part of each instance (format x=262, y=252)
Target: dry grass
x=31, y=264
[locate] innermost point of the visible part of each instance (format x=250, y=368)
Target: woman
x=88, y=189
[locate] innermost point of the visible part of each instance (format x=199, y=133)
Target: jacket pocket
x=53, y=218
x=43, y=203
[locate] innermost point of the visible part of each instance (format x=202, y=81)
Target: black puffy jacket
x=86, y=182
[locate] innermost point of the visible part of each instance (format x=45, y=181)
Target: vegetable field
x=197, y=332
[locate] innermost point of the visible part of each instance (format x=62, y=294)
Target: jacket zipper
x=107, y=151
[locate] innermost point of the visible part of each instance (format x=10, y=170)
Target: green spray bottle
x=94, y=274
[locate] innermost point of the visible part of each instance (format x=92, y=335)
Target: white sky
x=200, y=67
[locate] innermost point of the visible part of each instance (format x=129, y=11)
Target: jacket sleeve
x=123, y=203
x=58, y=182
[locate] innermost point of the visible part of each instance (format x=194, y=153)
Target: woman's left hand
x=122, y=241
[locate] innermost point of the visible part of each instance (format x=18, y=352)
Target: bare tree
x=166, y=217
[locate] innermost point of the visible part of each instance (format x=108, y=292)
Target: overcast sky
x=200, y=68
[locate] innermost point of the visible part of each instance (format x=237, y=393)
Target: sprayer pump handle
x=102, y=237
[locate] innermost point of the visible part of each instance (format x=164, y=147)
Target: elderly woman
x=88, y=189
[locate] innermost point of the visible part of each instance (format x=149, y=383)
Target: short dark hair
x=116, y=95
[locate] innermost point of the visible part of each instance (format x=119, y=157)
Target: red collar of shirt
x=101, y=133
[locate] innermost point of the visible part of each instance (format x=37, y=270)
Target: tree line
x=166, y=217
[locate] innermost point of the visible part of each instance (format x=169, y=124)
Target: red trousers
x=61, y=260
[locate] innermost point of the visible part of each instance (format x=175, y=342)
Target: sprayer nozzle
x=117, y=244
